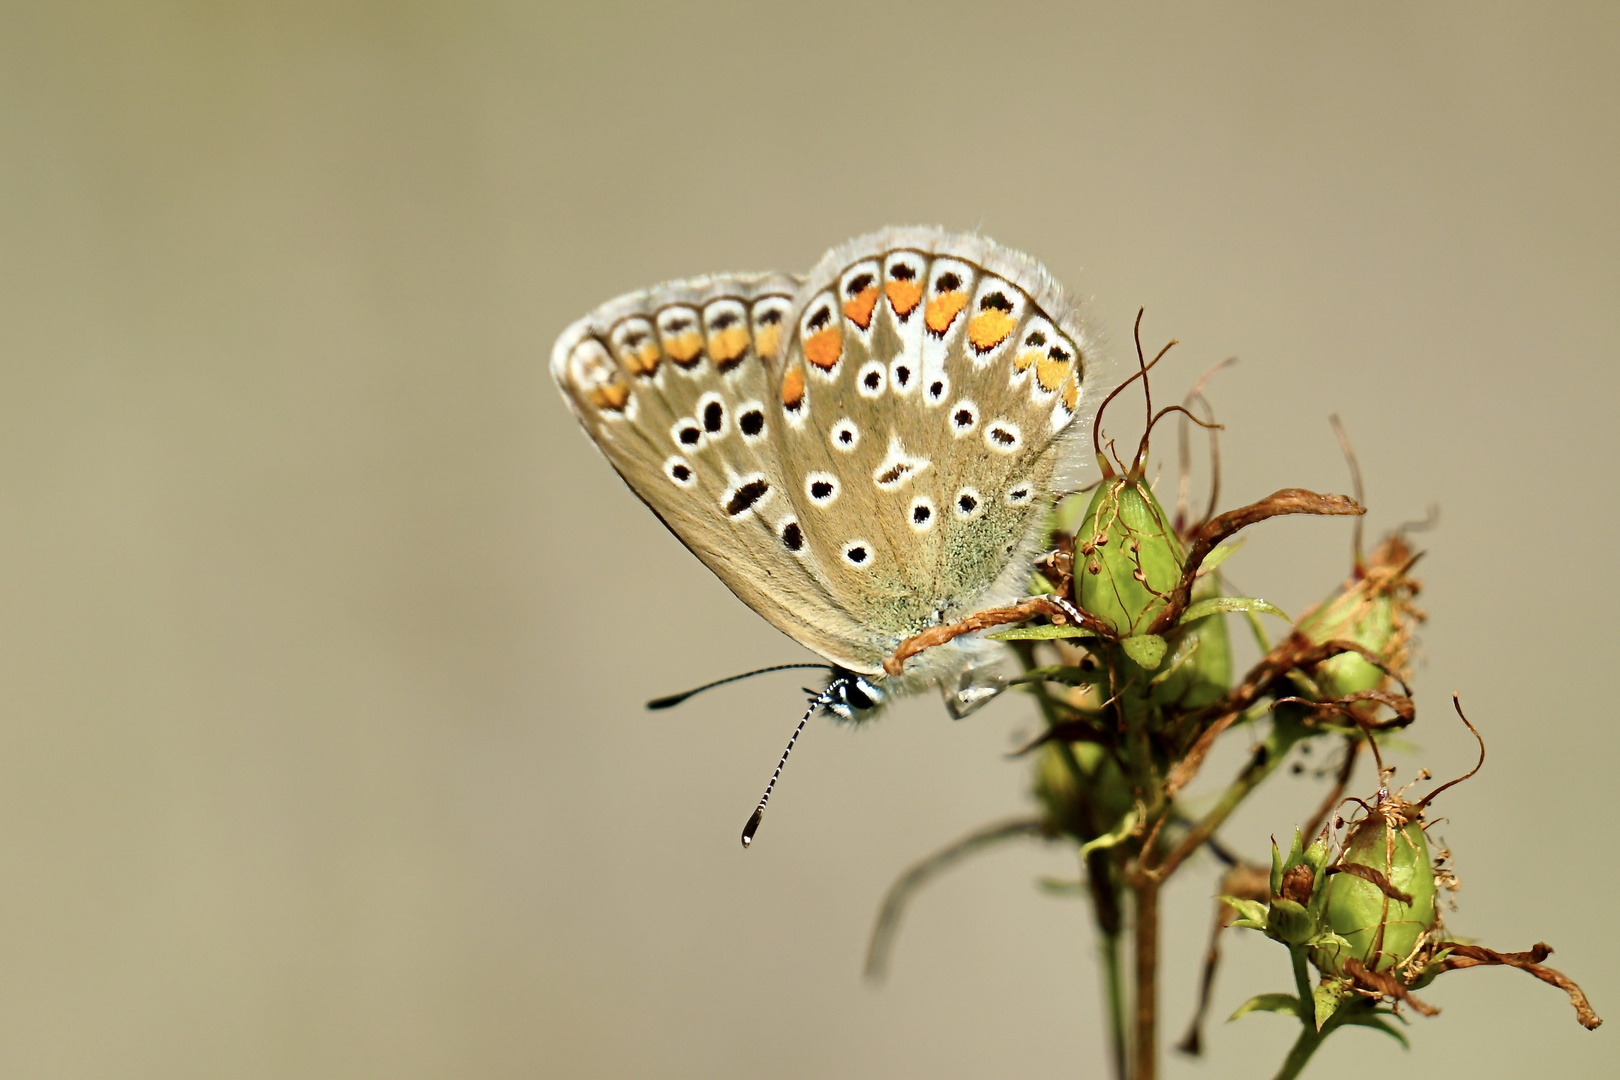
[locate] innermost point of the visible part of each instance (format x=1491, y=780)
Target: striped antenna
x=826, y=697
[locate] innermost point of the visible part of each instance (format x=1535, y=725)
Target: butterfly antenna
x=675, y=699
x=752, y=827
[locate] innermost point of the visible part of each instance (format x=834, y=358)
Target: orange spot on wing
x=613, y=396
x=942, y=310
x=726, y=348
x=903, y=296
x=859, y=307
x=989, y=328
x=825, y=348
x=793, y=388
x=685, y=349
x=1071, y=394
x=1026, y=359
x=767, y=341
x=1051, y=373
x=641, y=359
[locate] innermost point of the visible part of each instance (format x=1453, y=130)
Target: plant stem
x=1309, y=1038
x=1303, y=1048
x=1105, y=907
x=1284, y=734
x=1144, y=1057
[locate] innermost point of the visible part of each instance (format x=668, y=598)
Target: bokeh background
x=326, y=633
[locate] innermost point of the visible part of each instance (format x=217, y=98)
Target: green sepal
x=1147, y=650
x=1252, y=913
x=1276, y=868
x=1287, y=1004
x=1047, y=632
x=1289, y=922
x=1221, y=605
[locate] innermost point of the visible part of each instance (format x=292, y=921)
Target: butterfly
x=859, y=454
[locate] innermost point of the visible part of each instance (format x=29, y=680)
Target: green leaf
x=1251, y=911
x=1328, y=996
x=1259, y=631
x=1378, y=1023
x=1277, y=1003
x=1127, y=825
x=1040, y=633
x=1327, y=939
x=1060, y=673
x=1218, y=556
x=1220, y=605
x=1146, y=649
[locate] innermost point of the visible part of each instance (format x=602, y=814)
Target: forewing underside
x=680, y=387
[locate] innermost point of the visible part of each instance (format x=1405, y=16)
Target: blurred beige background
x=326, y=633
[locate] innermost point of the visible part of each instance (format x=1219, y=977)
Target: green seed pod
x=1083, y=814
x=1373, y=927
x=1127, y=557
x=1199, y=668
x=1375, y=611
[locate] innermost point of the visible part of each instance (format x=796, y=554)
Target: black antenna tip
x=752, y=827
x=667, y=702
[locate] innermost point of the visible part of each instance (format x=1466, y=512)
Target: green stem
x=1284, y=734
x=1145, y=1048
x=1303, y=1048
x=1309, y=1038
x=1302, y=977
x=1100, y=880
x=1105, y=907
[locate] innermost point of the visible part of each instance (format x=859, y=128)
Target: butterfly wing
x=859, y=455
x=930, y=388
x=679, y=386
